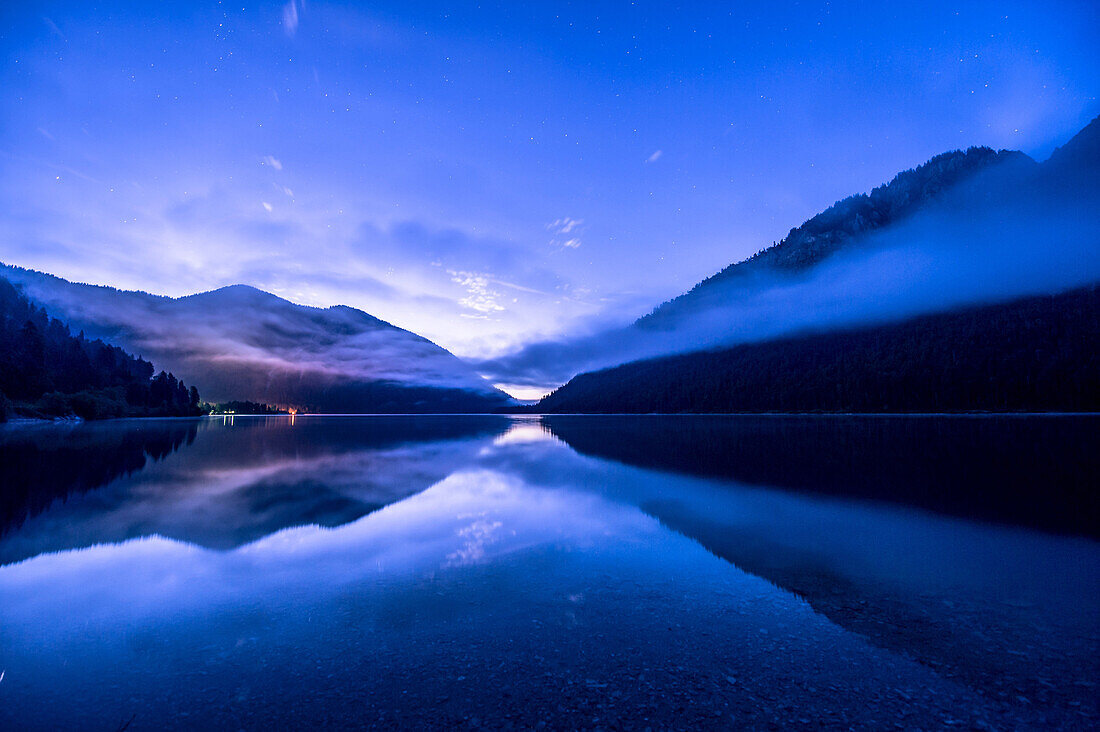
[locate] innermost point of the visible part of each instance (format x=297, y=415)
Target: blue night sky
x=491, y=174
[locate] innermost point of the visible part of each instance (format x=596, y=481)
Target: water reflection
x=236, y=480
x=1000, y=608
x=1040, y=472
x=44, y=463
x=459, y=571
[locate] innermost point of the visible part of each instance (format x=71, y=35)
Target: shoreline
x=19, y=422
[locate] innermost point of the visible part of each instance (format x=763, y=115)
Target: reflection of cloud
x=476, y=537
x=222, y=497
x=154, y=577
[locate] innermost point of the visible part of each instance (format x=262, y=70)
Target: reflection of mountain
x=42, y=464
x=241, y=343
x=960, y=596
x=1033, y=472
x=242, y=480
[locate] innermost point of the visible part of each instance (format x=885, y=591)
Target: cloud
x=564, y=232
x=565, y=225
x=980, y=245
x=290, y=18
x=481, y=297
x=272, y=161
x=267, y=206
x=655, y=156
x=53, y=27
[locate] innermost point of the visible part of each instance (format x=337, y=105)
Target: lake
x=561, y=572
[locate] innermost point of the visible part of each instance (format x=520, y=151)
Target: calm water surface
x=615, y=572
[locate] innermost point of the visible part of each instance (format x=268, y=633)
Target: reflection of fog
x=508, y=520
x=524, y=431
x=244, y=480
x=962, y=595
x=470, y=517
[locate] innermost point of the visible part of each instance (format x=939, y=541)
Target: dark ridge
x=1035, y=354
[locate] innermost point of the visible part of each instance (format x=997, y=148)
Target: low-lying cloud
x=987, y=243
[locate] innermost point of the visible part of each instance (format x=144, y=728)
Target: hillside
x=245, y=344
x=978, y=180
x=965, y=228
x=1034, y=354
x=844, y=225
x=47, y=371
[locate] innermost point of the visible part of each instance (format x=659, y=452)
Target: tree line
x=46, y=371
x=1035, y=354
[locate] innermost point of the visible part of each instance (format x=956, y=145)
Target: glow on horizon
x=525, y=393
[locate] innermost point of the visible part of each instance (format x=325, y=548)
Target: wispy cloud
x=290, y=18
x=272, y=161
x=53, y=27
x=565, y=232
x=481, y=297
x=655, y=156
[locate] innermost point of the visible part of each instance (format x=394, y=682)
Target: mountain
x=47, y=371
x=975, y=182
x=965, y=230
x=844, y=225
x=1036, y=354
x=239, y=342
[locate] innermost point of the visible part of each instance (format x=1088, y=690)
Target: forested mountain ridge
x=842, y=225
x=46, y=370
x=242, y=343
x=1034, y=354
